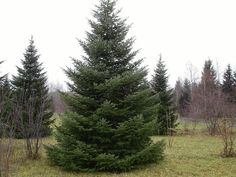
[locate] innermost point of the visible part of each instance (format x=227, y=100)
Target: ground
x=193, y=154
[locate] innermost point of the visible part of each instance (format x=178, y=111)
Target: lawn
x=190, y=156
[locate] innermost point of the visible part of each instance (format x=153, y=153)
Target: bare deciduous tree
x=227, y=132
x=226, y=127
x=207, y=99
x=31, y=123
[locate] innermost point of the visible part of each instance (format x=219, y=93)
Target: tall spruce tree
x=209, y=81
x=31, y=83
x=166, y=117
x=228, y=86
x=105, y=129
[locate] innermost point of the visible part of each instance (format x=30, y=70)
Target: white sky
x=182, y=31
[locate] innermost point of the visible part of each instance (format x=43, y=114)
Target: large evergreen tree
x=31, y=84
x=166, y=117
x=105, y=129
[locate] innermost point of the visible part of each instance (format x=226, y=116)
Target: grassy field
x=190, y=156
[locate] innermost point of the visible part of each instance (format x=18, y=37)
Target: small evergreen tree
x=228, y=84
x=31, y=84
x=109, y=103
x=166, y=117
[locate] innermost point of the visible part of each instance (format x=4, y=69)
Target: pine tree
x=166, y=117
x=109, y=103
x=228, y=84
x=209, y=78
x=31, y=84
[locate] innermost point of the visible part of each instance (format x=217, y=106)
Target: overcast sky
x=182, y=31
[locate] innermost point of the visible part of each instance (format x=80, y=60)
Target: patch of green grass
x=190, y=156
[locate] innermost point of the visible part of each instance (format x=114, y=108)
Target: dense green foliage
x=109, y=103
x=166, y=117
x=31, y=84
